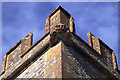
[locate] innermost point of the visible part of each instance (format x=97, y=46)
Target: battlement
x=107, y=54
x=16, y=52
x=59, y=15
x=60, y=53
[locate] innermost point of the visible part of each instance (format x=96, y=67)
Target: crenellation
x=14, y=54
x=26, y=43
x=59, y=15
x=60, y=53
x=107, y=55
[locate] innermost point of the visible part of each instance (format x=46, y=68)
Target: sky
x=21, y=18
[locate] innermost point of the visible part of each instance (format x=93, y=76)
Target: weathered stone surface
x=46, y=66
x=107, y=56
x=13, y=57
x=54, y=20
x=26, y=59
x=94, y=58
x=47, y=26
x=114, y=60
x=15, y=53
x=89, y=39
x=65, y=61
x=64, y=18
x=60, y=32
x=72, y=25
x=103, y=50
x=59, y=15
x=4, y=64
x=75, y=65
x=74, y=60
x=60, y=53
x=94, y=42
x=26, y=43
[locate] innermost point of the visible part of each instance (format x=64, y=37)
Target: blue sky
x=21, y=18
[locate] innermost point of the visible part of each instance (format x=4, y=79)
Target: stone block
x=26, y=43
x=107, y=54
x=4, y=64
x=114, y=61
x=94, y=42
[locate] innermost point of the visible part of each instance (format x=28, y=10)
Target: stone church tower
x=60, y=53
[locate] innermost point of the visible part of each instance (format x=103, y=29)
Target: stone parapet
x=107, y=54
x=34, y=51
x=15, y=53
